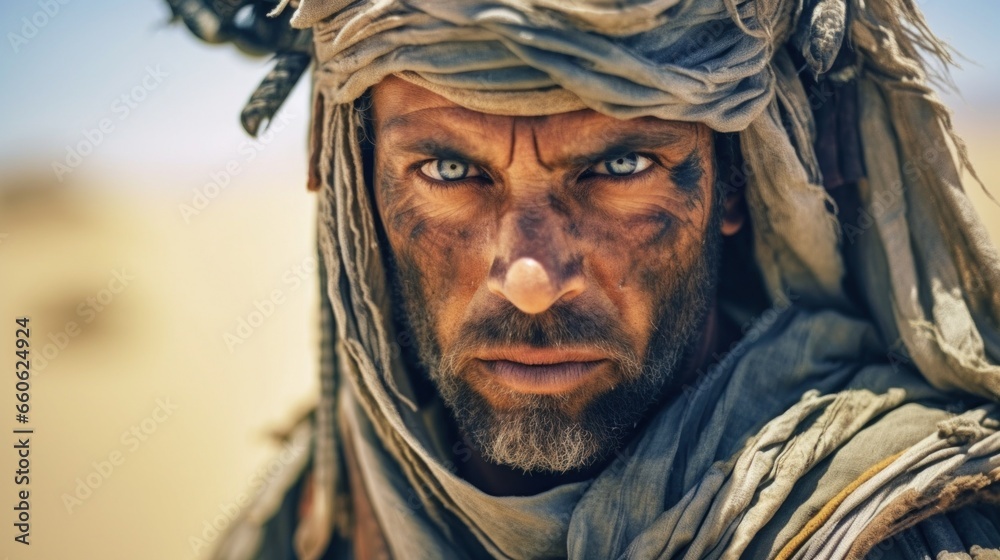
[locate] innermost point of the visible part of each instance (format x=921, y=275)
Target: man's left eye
x=629, y=164
x=449, y=170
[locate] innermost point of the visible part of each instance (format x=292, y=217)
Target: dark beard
x=544, y=433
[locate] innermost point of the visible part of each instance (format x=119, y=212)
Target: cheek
x=439, y=243
x=637, y=253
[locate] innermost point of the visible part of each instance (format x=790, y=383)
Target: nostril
x=572, y=281
x=573, y=287
x=495, y=279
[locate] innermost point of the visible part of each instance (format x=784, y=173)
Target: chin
x=546, y=432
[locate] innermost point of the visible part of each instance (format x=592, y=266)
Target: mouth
x=542, y=371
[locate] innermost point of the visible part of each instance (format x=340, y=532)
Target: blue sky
x=68, y=77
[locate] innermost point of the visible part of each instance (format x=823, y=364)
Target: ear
x=727, y=156
x=734, y=212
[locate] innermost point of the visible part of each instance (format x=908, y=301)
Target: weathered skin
x=538, y=221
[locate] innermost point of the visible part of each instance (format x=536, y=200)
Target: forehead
x=402, y=110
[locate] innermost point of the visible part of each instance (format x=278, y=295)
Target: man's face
x=555, y=270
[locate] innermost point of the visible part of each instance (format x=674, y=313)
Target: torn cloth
x=714, y=468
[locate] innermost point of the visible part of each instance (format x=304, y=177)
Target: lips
x=543, y=371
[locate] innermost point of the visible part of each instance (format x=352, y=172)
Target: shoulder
x=874, y=472
x=969, y=532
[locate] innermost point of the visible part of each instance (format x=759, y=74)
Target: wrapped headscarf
x=824, y=95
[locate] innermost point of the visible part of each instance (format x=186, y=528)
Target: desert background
x=145, y=401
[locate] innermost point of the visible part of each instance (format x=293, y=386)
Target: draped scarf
x=723, y=462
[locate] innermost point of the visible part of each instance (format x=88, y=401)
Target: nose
x=531, y=288
x=537, y=270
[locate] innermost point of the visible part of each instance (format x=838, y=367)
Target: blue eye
x=624, y=165
x=628, y=164
x=452, y=170
x=449, y=170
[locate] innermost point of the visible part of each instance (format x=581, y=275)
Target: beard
x=540, y=433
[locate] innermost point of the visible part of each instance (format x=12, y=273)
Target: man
x=652, y=279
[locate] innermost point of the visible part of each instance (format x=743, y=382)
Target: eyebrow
x=434, y=147
x=441, y=146
x=437, y=140
x=618, y=144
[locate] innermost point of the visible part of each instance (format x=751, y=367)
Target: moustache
x=564, y=324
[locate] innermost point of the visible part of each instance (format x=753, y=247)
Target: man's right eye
x=449, y=170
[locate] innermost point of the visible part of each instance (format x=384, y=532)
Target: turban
x=823, y=95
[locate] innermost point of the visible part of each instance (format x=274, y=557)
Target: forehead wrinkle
x=537, y=150
x=512, y=144
x=532, y=124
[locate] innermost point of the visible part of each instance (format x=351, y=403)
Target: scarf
x=727, y=460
